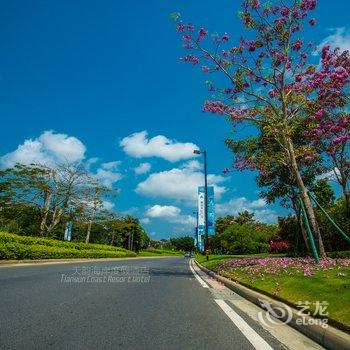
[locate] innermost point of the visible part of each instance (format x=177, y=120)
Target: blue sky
x=100, y=82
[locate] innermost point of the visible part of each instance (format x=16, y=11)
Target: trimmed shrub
x=24, y=247
x=278, y=247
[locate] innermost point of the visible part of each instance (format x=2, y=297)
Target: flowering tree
x=275, y=178
x=329, y=125
x=269, y=80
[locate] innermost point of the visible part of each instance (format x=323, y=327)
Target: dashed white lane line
x=203, y=284
x=254, y=338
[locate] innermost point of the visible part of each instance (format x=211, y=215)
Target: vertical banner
x=211, y=211
x=201, y=217
x=68, y=231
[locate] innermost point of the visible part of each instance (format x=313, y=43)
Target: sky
x=101, y=83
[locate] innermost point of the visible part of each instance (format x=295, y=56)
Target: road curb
x=330, y=337
x=28, y=262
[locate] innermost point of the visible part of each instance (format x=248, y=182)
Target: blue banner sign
x=68, y=231
x=201, y=215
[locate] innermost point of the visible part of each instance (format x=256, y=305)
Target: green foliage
x=244, y=217
x=158, y=252
x=21, y=247
x=289, y=230
x=331, y=238
x=185, y=243
x=340, y=254
x=323, y=192
x=20, y=218
x=244, y=238
x=222, y=223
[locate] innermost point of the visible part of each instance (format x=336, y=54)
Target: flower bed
x=295, y=280
x=289, y=266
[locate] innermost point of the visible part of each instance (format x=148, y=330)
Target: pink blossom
x=272, y=93
x=296, y=46
x=225, y=37
x=191, y=58
x=187, y=37
x=284, y=11
x=202, y=33
x=312, y=21
x=308, y=272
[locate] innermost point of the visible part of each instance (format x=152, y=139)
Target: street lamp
x=206, y=241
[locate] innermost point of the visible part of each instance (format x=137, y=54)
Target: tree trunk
x=346, y=194
x=306, y=200
x=304, y=233
x=112, y=239
x=44, y=213
x=132, y=240
x=300, y=223
x=56, y=219
x=87, y=239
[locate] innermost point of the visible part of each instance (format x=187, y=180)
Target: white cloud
x=171, y=214
x=163, y=211
x=134, y=211
x=49, y=149
x=192, y=165
x=111, y=165
x=138, y=145
x=331, y=175
x=259, y=207
x=179, y=184
x=107, y=174
x=108, y=205
x=107, y=177
x=340, y=37
x=143, y=168
x=145, y=221
x=90, y=162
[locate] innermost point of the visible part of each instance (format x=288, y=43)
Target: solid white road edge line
x=203, y=284
x=254, y=338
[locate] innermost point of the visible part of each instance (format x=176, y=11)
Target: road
x=124, y=304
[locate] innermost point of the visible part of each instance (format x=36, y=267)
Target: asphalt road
x=150, y=304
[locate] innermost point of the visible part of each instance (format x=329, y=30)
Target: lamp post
x=206, y=241
x=196, y=213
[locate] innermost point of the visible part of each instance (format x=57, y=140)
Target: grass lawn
x=292, y=280
x=14, y=247
x=214, y=259
x=159, y=252
x=24, y=247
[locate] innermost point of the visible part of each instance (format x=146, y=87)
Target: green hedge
x=341, y=254
x=12, y=238
x=155, y=252
x=23, y=247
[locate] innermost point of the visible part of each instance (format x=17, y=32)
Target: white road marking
x=203, y=284
x=254, y=338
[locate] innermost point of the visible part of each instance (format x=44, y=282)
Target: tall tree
x=268, y=78
x=329, y=124
x=52, y=189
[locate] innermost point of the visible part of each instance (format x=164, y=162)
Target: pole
x=197, y=231
x=206, y=205
x=308, y=229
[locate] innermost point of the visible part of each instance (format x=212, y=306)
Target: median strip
x=330, y=337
